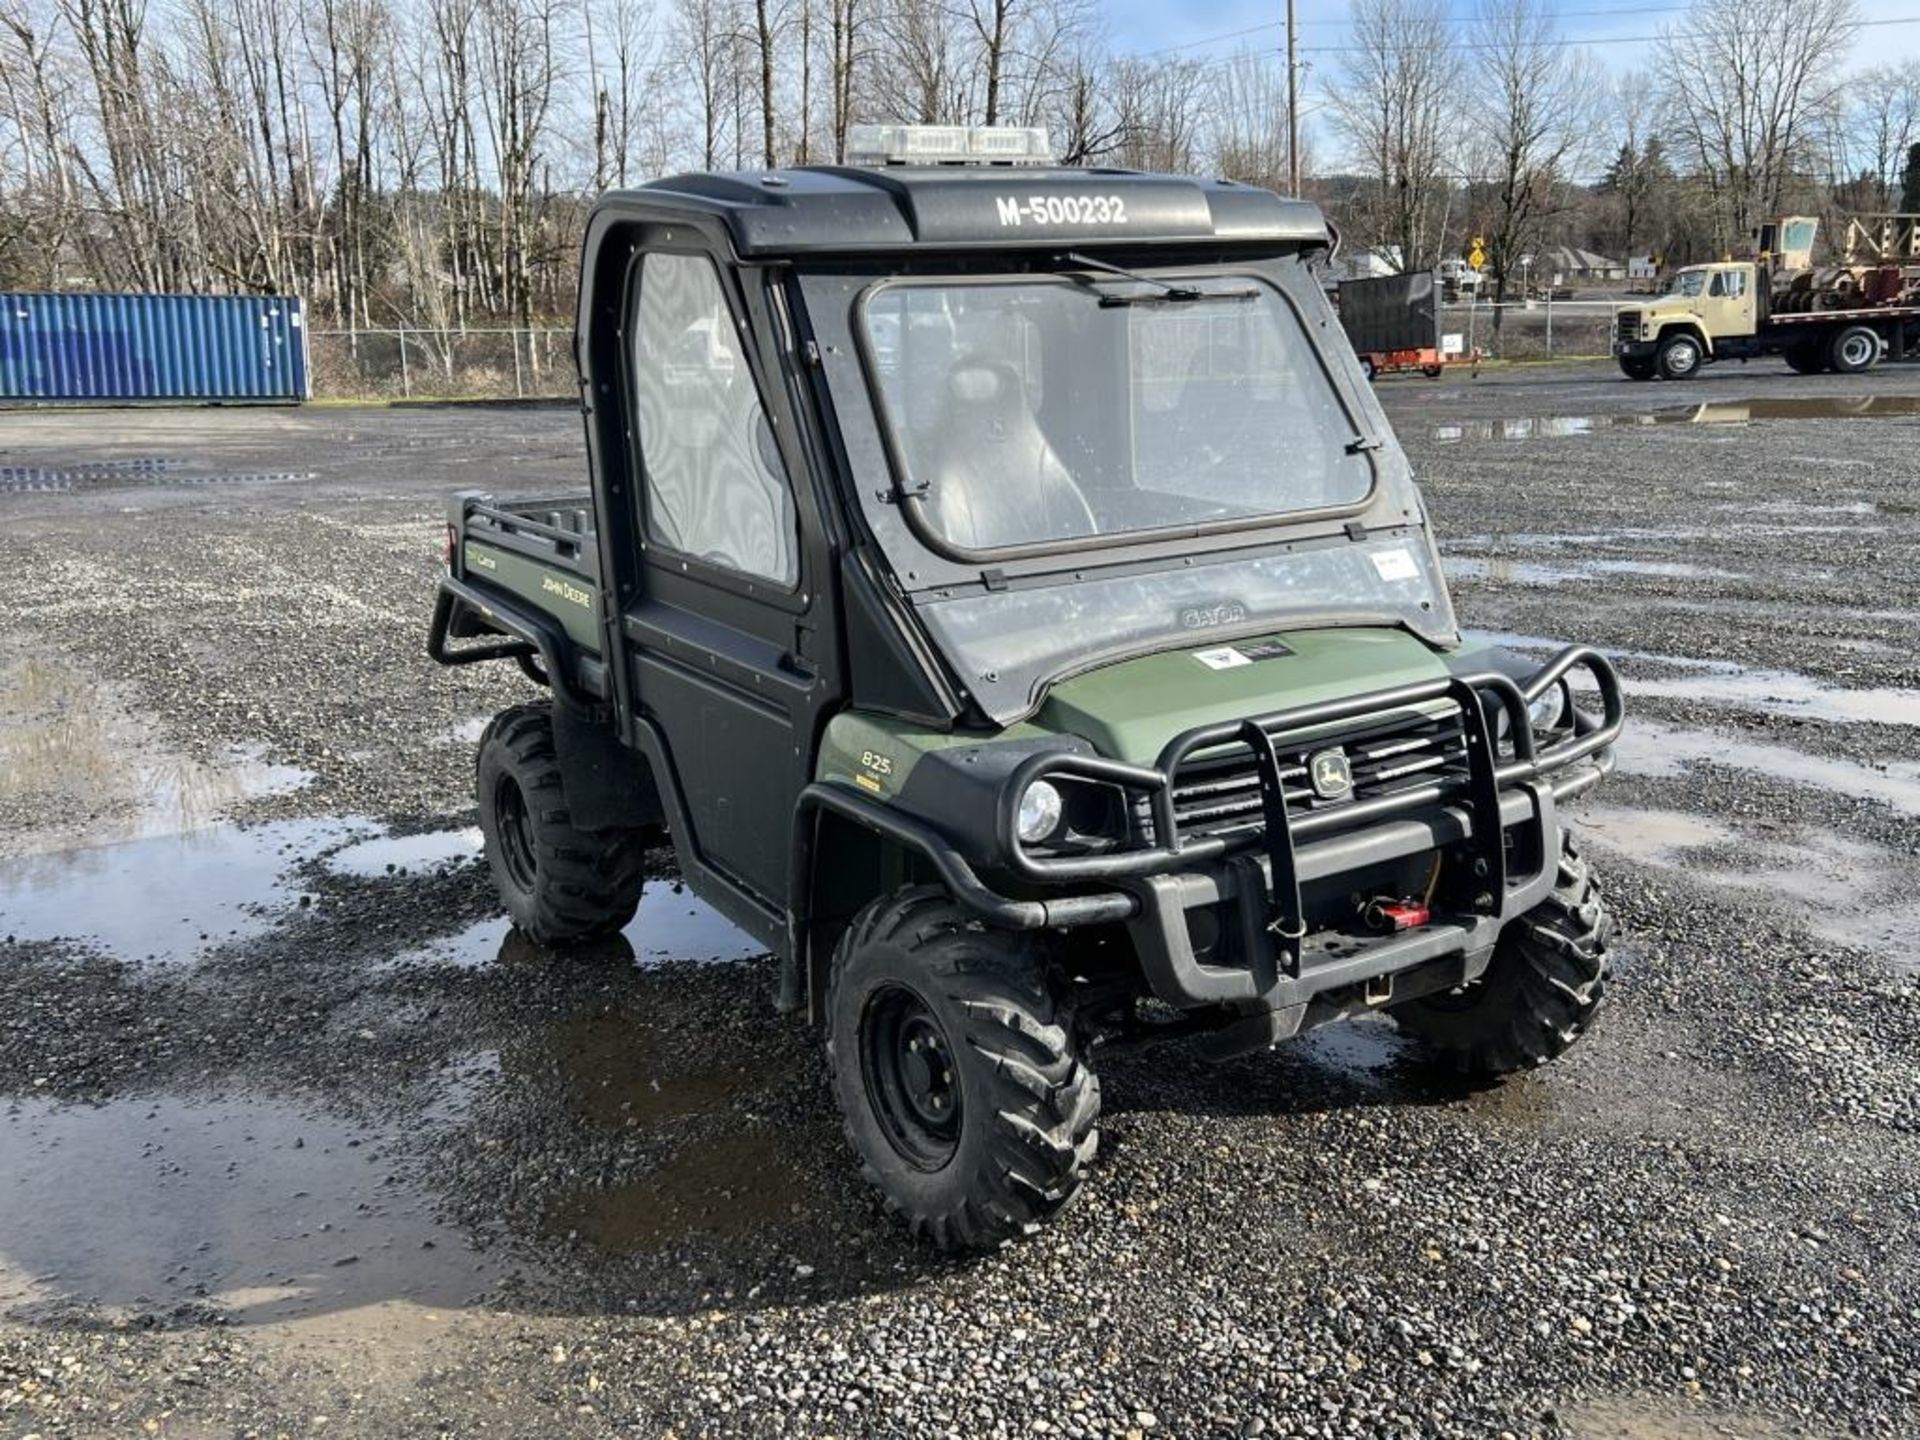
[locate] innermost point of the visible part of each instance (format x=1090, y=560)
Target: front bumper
x=1495, y=814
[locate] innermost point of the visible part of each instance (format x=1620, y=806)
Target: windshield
x=1688, y=283
x=1031, y=413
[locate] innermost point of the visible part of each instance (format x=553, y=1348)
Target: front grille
x=1628, y=325
x=1218, y=792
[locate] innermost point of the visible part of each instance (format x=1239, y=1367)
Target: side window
x=715, y=485
x=1736, y=284
x=1719, y=286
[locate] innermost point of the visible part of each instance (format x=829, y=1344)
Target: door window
x=715, y=485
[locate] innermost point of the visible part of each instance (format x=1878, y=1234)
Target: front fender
x=1682, y=324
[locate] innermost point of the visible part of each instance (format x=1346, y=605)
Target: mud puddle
x=672, y=924
x=1659, y=751
x=1653, y=1418
x=131, y=474
x=619, y=1070
x=252, y=1208
x=1531, y=572
x=716, y=1187
x=706, y=1162
x=1715, y=412
x=724, y=1174
x=168, y=899
x=1851, y=893
x=467, y=732
x=405, y=854
x=88, y=770
x=1725, y=682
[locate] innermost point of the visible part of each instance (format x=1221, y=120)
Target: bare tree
x=1161, y=113
x=1743, y=84
x=1532, y=126
x=704, y=40
x=1883, y=123
x=1391, y=104
x=1250, y=121
x=846, y=31
x=623, y=59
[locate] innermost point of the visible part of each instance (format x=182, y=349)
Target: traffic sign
x=1476, y=257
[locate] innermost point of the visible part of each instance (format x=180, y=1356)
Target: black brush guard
x=1258, y=872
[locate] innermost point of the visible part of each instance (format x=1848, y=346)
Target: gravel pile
x=583, y=1196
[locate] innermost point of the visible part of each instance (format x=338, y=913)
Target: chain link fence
x=420, y=363
x=415, y=363
x=1532, y=329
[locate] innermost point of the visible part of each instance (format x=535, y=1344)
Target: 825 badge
x=875, y=769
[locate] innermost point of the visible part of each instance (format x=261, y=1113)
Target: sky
x=1621, y=30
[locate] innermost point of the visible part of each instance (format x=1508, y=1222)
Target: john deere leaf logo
x=1330, y=773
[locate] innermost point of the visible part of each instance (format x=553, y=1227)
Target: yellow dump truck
x=1844, y=318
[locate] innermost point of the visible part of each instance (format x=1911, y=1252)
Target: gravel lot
x=296, y=1138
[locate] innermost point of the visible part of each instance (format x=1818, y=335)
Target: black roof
x=829, y=210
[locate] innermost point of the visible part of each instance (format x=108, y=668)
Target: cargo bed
x=527, y=574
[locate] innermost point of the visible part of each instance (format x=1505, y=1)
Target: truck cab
x=1701, y=309
x=1001, y=587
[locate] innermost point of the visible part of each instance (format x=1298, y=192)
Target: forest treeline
x=430, y=162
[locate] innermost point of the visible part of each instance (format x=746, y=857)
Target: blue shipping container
x=152, y=347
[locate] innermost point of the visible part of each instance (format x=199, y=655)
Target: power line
x=1451, y=20
x=1552, y=44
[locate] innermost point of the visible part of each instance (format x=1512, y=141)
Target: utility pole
x=1293, y=105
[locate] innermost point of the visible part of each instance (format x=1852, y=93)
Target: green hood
x=1129, y=710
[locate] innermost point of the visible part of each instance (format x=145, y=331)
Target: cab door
x=721, y=632
x=1727, y=307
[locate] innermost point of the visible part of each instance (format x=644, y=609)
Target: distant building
x=1559, y=264
x=1642, y=267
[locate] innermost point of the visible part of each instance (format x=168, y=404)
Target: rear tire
x=1542, y=992
x=957, y=1071
x=1806, y=359
x=1854, y=350
x=559, y=884
x=1638, y=367
x=1679, y=357
x=1433, y=372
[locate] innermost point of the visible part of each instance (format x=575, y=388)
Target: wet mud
x=1709, y=412
x=288, y=1109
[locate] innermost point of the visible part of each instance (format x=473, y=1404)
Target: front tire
x=957, y=1071
x=1637, y=367
x=1679, y=357
x=559, y=884
x=1541, y=993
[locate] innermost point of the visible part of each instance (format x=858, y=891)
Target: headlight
x=1039, y=813
x=1550, y=709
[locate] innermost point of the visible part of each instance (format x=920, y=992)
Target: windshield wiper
x=1169, y=291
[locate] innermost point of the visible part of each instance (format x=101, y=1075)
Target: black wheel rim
x=913, y=1082
x=515, y=827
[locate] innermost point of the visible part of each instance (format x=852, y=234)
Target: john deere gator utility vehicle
x=1000, y=584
